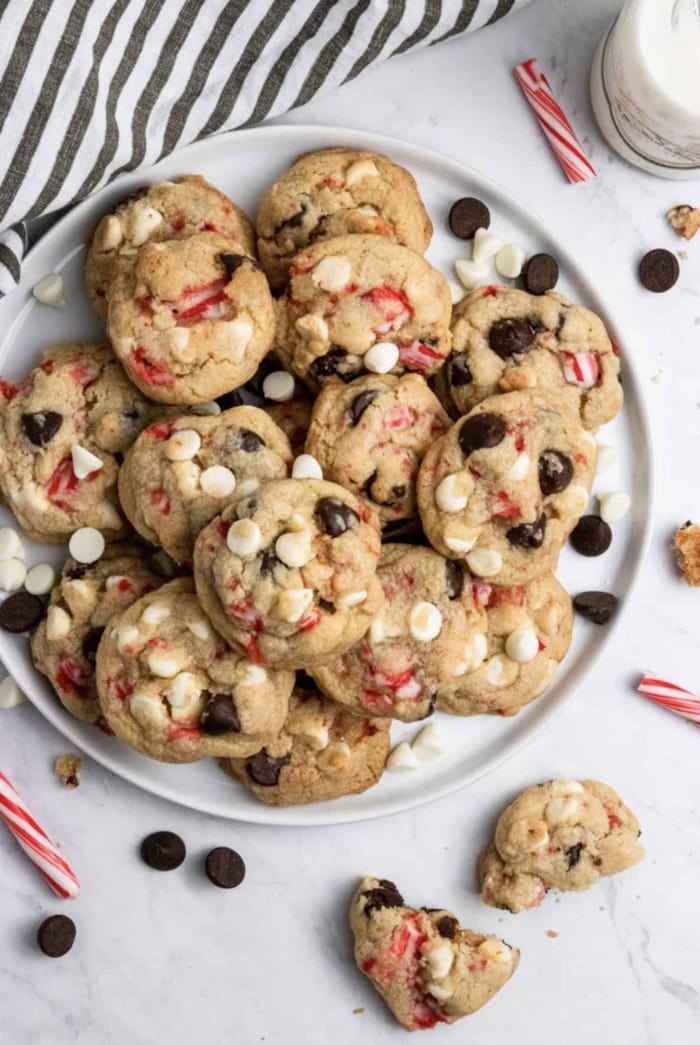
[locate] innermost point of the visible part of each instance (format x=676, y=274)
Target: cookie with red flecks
x=506, y=340
x=190, y=319
x=321, y=753
x=505, y=486
x=172, y=688
x=362, y=303
x=64, y=645
x=426, y=967
x=165, y=210
x=289, y=574
x=563, y=834
x=371, y=435
x=179, y=474
x=429, y=634
x=332, y=192
x=61, y=431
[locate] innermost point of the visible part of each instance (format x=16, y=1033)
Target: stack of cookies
x=376, y=540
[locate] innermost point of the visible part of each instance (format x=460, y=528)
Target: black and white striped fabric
x=92, y=88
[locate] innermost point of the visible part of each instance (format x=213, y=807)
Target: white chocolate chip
x=510, y=260
x=496, y=950
x=459, y=540
x=40, y=579
x=353, y=598
x=519, y=469
x=293, y=604
x=332, y=272
x=471, y=273
x=84, y=461
x=12, y=574
x=111, y=234
x=58, y=623
x=279, y=386
x=424, y=621
x=239, y=333
x=312, y=327
x=244, y=538
x=563, y=811
x=49, y=291
x=522, y=645
x=500, y=670
x=359, y=170
x=187, y=475
x=485, y=562
x=200, y=628
x=456, y=291
x=486, y=245
x=428, y=744
x=248, y=486
x=127, y=635
x=86, y=544
x=10, y=694
x=183, y=445
x=606, y=457
x=566, y=787
x=178, y=343
x=306, y=467
x=109, y=516
x=441, y=991
x=334, y=758
x=381, y=358
x=148, y=709
x=11, y=546
x=156, y=613
x=161, y=665
x=294, y=549
x=402, y=758
x=438, y=960
x=145, y=221
x=297, y=521
x=614, y=506
x=452, y=494
x=217, y=481
x=211, y=409
x=253, y=675
x=377, y=632
x=473, y=654
x=184, y=690
x=316, y=737
x=572, y=500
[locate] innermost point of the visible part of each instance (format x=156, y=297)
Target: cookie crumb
x=355, y=1012
x=683, y=255
x=686, y=545
x=552, y=934
x=66, y=768
x=685, y=220
x=601, y=908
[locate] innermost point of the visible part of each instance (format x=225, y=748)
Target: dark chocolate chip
x=76, y=572
x=90, y=644
x=163, y=851
x=555, y=471
x=528, y=535
x=336, y=363
x=540, y=273
x=265, y=770
x=232, y=262
x=659, y=270
x=447, y=926
x=294, y=222
x=224, y=867
x=480, y=432
x=466, y=216
x=511, y=337
x=457, y=370
x=360, y=404
x=219, y=716
x=335, y=516
x=398, y=492
x=384, y=895
x=454, y=578
x=573, y=855
x=20, y=612
x=56, y=935
x=248, y=441
x=591, y=536
x=596, y=606
x=326, y=606
x=41, y=427
x=268, y=562
x=230, y=399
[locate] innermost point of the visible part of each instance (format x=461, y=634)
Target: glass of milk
x=645, y=86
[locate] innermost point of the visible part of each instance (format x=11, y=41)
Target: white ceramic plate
x=241, y=163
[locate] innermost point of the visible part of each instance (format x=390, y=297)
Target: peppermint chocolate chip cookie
x=173, y=690
x=426, y=967
x=332, y=192
x=190, y=318
x=321, y=753
x=64, y=645
x=506, y=485
x=60, y=431
x=506, y=340
x=371, y=435
x=179, y=474
x=559, y=835
x=166, y=210
x=362, y=303
x=430, y=631
x=289, y=574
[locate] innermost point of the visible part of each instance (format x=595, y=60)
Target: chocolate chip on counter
x=480, y=432
x=21, y=612
x=56, y=935
x=224, y=867
x=596, y=606
x=447, y=926
x=249, y=441
x=454, y=578
x=555, y=471
x=528, y=535
x=232, y=262
x=163, y=851
x=384, y=895
x=219, y=715
x=591, y=536
x=511, y=337
x=41, y=427
x=335, y=516
x=573, y=855
x=90, y=644
x=457, y=370
x=540, y=273
x=466, y=216
x=360, y=404
x=265, y=770
x=659, y=270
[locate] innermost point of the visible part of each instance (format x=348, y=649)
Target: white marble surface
x=168, y=957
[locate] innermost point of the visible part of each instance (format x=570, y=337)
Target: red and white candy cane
x=581, y=368
x=550, y=116
x=36, y=843
x=677, y=699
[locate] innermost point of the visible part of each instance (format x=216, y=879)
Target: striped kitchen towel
x=90, y=89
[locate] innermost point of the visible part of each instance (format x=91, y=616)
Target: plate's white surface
x=242, y=163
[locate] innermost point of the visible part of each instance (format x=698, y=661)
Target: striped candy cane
x=682, y=701
x=550, y=116
x=36, y=843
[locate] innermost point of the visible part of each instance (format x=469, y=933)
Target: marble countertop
x=168, y=957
